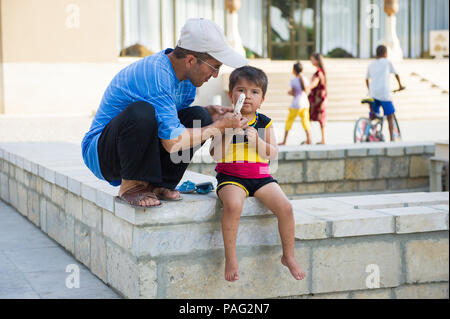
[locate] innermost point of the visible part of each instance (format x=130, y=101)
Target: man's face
x=202, y=70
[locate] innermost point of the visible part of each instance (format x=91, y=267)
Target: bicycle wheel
x=377, y=134
x=361, y=131
x=397, y=134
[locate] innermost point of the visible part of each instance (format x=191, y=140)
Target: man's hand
x=232, y=121
x=217, y=112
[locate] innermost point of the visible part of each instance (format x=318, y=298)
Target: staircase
x=423, y=99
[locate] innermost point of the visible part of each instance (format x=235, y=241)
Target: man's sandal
x=161, y=196
x=136, y=194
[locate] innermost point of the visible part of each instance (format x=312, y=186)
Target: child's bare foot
x=231, y=270
x=294, y=267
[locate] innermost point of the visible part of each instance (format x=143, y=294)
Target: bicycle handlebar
x=370, y=99
x=400, y=89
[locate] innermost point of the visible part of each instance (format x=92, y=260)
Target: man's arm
x=217, y=111
x=219, y=146
x=194, y=136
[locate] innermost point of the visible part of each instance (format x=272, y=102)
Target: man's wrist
x=215, y=128
x=208, y=108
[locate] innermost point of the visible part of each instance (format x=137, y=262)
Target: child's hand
x=252, y=135
x=238, y=131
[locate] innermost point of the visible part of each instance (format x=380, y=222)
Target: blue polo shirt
x=151, y=79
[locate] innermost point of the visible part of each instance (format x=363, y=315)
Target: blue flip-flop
x=204, y=188
x=187, y=187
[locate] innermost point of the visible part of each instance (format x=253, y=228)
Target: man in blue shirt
x=145, y=120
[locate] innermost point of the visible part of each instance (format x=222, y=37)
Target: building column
x=2, y=91
x=232, y=32
x=391, y=40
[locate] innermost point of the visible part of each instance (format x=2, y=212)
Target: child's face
x=253, y=95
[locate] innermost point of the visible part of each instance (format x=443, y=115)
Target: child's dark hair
x=381, y=51
x=298, y=68
x=251, y=74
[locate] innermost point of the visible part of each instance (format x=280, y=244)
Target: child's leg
x=289, y=121
x=273, y=198
x=285, y=138
x=390, y=119
x=304, y=115
x=232, y=197
x=389, y=110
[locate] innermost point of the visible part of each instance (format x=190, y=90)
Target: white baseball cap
x=205, y=36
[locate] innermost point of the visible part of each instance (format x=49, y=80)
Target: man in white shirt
x=378, y=83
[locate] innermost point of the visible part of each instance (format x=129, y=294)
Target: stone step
x=343, y=85
x=413, y=102
x=281, y=116
x=336, y=108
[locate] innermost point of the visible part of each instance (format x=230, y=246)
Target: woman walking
x=318, y=94
x=299, y=105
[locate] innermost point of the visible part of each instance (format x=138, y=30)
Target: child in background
x=243, y=171
x=299, y=105
x=378, y=83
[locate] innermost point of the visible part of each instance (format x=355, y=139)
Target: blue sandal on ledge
x=186, y=188
x=204, y=188
x=189, y=187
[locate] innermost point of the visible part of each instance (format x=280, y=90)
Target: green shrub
x=339, y=53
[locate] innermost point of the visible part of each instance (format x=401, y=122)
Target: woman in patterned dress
x=318, y=94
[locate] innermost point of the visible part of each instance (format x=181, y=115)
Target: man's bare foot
x=294, y=267
x=231, y=270
x=167, y=194
x=281, y=144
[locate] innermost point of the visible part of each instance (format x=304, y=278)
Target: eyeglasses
x=216, y=70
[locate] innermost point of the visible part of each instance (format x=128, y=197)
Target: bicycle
x=371, y=129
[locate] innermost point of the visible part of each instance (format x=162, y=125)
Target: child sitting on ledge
x=243, y=171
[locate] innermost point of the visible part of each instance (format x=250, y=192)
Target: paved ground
x=33, y=266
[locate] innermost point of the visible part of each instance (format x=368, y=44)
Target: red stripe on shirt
x=244, y=170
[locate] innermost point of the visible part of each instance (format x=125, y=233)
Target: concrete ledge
x=176, y=251
x=337, y=169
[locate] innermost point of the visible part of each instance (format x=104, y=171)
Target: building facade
x=63, y=53
x=290, y=29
